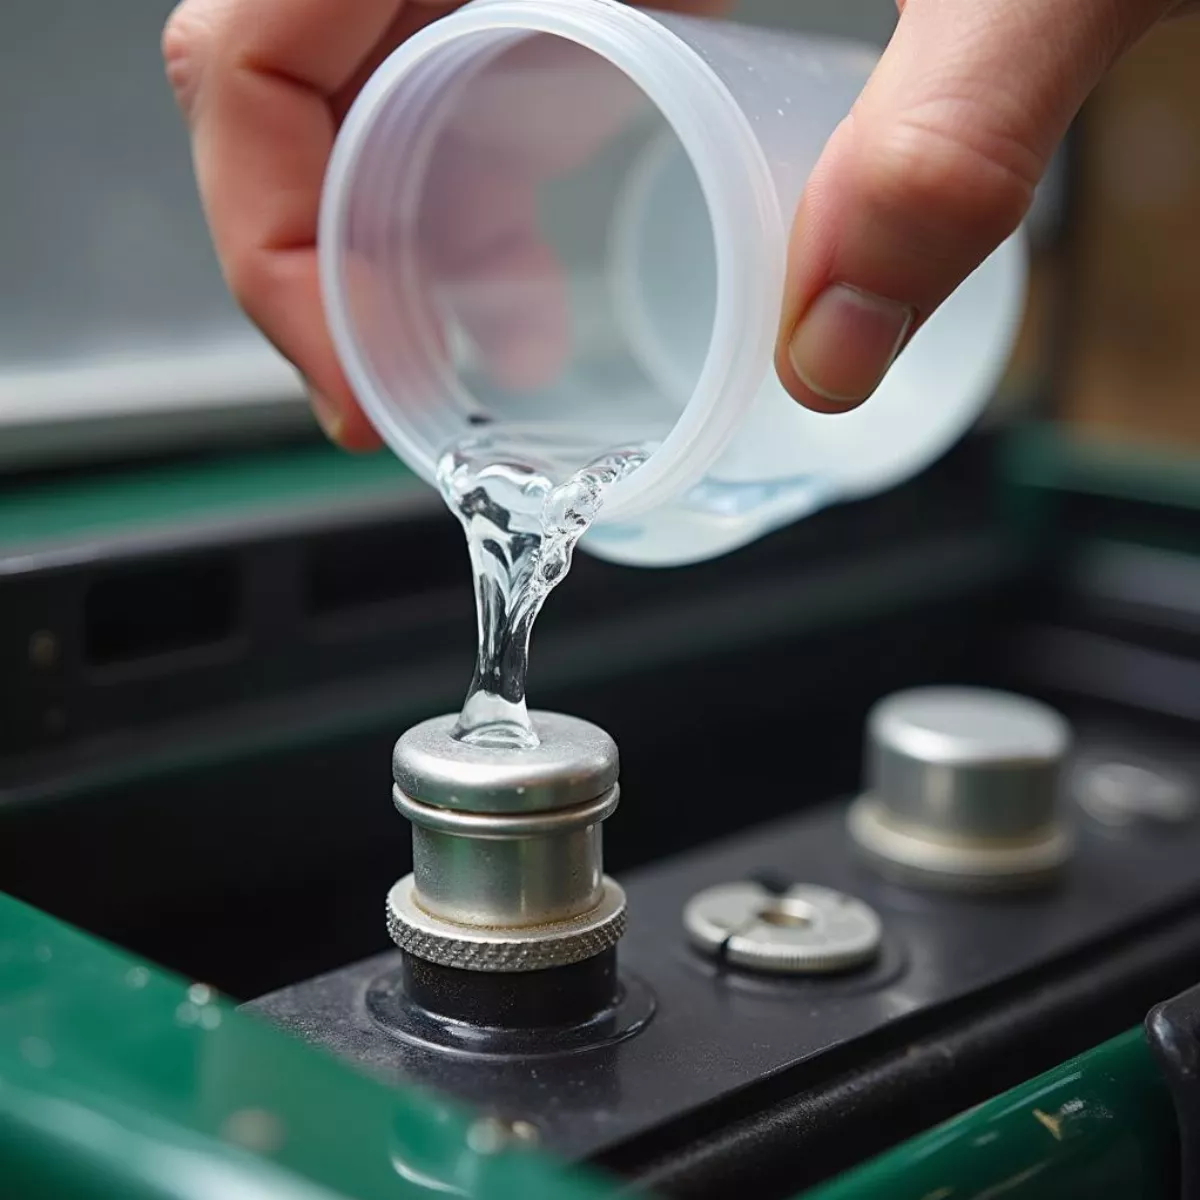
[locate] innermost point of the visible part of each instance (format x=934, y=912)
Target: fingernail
x=845, y=343
x=328, y=417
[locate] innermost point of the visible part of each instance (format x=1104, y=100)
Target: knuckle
x=948, y=191
x=187, y=42
x=248, y=278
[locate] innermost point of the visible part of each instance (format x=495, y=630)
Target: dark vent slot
x=150, y=611
x=408, y=563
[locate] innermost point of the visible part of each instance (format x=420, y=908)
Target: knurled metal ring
x=536, y=948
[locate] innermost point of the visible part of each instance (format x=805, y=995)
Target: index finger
x=256, y=80
x=261, y=83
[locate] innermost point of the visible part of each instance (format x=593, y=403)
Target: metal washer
x=807, y=930
x=525, y=948
x=911, y=856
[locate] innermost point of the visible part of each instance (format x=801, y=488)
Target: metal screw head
x=806, y=930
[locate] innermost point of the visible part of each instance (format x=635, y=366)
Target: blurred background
x=210, y=630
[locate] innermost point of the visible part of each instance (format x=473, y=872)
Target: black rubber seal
x=513, y=999
x=563, y=1010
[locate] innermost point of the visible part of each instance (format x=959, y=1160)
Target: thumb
x=932, y=169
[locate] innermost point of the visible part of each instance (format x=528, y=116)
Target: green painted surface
x=1043, y=465
x=106, y=503
x=103, y=502
x=1047, y=456
x=118, y=1081
x=1097, y=1126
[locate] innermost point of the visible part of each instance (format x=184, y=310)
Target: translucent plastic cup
x=572, y=215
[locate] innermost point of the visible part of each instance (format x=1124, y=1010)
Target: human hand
x=933, y=168
x=263, y=85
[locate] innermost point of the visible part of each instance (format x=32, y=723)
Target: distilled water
x=523, y=507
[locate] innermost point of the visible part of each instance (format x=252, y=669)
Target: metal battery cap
x=962, y=787
x=574, y=763
x=966, y=762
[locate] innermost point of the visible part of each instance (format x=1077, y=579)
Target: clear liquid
x=523, y=509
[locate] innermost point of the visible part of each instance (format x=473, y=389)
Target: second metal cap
x=961, y=789
x=966, y=762
x=575, y=763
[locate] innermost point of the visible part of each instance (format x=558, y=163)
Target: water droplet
x=137, y=977
x=210, y=1017
x=43, y=953
x=187, y=1013
x=200, y=993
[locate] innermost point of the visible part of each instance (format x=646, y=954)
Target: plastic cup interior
x=516, y=237
x=476, y=274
